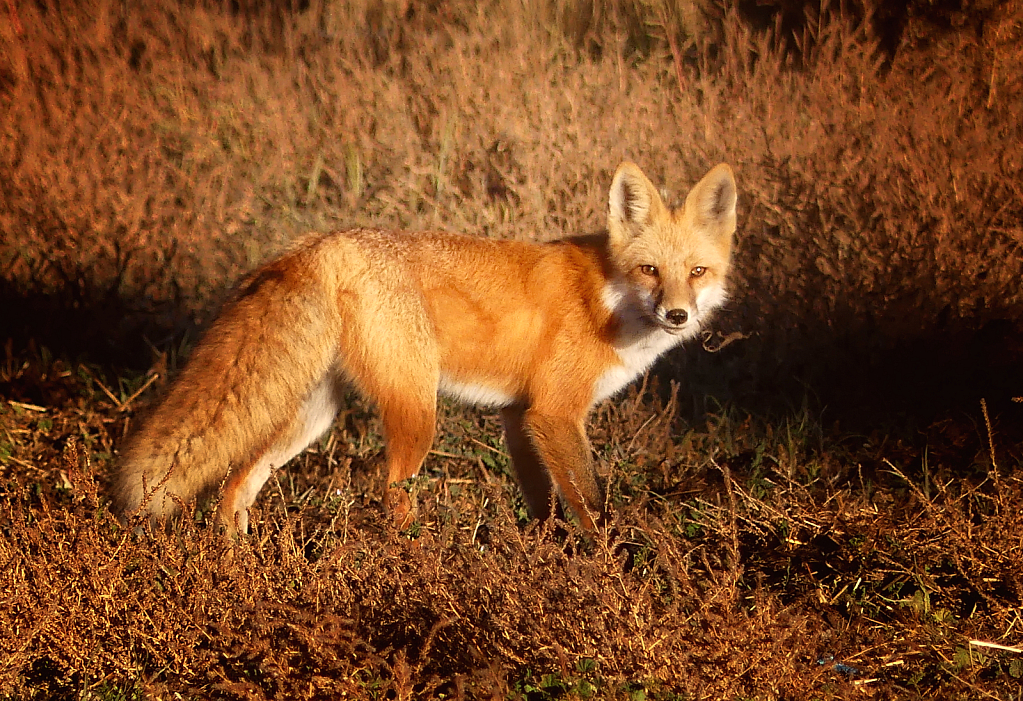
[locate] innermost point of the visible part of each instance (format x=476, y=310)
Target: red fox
x=542, y=331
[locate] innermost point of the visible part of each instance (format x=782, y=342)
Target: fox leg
x=533, y=478
x=313, y=417
x=408, y=434
x=562, y=445
x=401, y=378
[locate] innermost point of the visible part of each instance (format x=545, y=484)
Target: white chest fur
x=635, y=357
x=638, y=343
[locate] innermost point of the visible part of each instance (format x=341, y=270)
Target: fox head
x=674, y=261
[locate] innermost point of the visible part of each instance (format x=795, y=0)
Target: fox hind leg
x=392, y=359
x=313, y=418
x=409, y=427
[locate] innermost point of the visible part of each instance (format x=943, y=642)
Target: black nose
x=677, y=317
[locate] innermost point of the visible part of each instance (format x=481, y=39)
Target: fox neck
x=636, y=341
x=628, y=320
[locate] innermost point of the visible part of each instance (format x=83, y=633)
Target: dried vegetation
x=865, y=545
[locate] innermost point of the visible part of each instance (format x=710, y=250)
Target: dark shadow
x=859, y=377
x=101, y=328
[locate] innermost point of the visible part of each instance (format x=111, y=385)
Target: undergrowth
x=746, y=557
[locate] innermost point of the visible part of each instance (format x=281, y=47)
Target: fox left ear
x=712, y=201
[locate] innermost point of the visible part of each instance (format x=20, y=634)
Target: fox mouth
x=685, y=328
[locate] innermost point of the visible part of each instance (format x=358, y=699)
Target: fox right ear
x=633, y=202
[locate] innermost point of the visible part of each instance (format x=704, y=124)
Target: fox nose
x=677, y=317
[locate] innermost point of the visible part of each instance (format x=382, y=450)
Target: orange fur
x=543, y=331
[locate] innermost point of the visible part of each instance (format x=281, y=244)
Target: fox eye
x=698, y=271
x=648, y=270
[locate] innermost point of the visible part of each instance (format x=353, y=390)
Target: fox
x=541, y=331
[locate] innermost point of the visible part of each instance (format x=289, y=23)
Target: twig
x=21, y=462
x=638, y=431
x=997, y=646
x=117, y=402
x=990, y=437
x=490, y=448
x=732, y=525
x=152, y=378
x=27, y=407
x=442, y=454
x=676, y=55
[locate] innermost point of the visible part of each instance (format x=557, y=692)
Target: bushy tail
x=239, y=391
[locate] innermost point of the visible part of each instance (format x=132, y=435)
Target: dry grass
x=151, y=155
x=148, y=156
x=745, y=559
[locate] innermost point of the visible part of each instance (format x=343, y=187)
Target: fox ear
x=711, y=203
x=633, y=202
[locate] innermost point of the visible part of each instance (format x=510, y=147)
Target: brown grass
x=148, y=156
x=743, y=556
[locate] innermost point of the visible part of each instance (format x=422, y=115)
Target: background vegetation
x=820, y=508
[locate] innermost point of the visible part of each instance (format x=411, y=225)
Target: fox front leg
x=561, y=444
